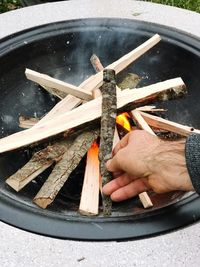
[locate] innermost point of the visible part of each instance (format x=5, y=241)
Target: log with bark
x=39, y=162
x=108, y=123
x=77, y=148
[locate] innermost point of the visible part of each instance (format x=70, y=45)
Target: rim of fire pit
x=45, y=222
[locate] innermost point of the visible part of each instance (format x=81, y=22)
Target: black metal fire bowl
x=63, y=50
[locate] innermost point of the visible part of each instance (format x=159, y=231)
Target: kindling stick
x=171, y=126
x=48, y=81
x=141, y=123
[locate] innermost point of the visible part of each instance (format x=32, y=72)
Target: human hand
x=142, y=162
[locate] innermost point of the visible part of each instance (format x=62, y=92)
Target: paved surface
x=19, y=248
x=22, y=249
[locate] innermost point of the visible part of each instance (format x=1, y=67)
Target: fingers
x=130, y=190
x=117, y=183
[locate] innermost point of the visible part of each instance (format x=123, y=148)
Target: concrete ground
x=20, y=248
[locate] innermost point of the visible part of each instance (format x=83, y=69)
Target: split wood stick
x=91, y=110
x=108, y=122
x=67, y=104
x=55, y=92
x=93, y=82
x=26, y=123
x=39, y=162
x=151, y=109
x=171, y=126
x=48, y=81
x=96, y=63
x=141, y=123
x=89, y=202
x=64, y=167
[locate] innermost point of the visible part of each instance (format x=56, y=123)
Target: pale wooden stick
x=92, y=110
x=151, y=109
x=89, y=202
x=26, y=123
x=171, y=126
x=96, y=63
x=144, y=198
x=140, y=122
x=48, y=81
x=55, y=92
x=67, y=104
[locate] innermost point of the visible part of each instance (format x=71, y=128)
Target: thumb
x=113, y=165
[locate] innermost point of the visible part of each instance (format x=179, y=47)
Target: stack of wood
x=73, y=127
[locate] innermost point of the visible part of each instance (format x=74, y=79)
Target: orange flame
x=123, y=121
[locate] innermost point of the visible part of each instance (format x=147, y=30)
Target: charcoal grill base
x=44, y=49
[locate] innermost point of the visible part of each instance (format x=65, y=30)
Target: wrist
x=168, y=162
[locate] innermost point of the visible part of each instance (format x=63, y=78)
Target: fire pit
x=62, y=50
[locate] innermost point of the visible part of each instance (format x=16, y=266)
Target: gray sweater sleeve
x=192, y=154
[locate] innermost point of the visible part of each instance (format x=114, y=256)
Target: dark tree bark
x=108, y=122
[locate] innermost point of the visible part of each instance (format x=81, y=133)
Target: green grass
x=6, y=5
x=187, y=4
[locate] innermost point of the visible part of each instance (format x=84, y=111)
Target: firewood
x=171, y=126
x=67, y=104
x=89, y=203
x=55, y=92
x=126, y=100
x=93, y=82
x=39, y=162
x=96, y=63
x=126, y=60
x=26, y=123
x=108, y=122
x=141, y=123
x=145, y=200
x=37, y=165
x=131, y=80
x=151, y=109
x=77, y=149
x=50, y=82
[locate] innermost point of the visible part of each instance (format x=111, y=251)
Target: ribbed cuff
x=192, y=154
